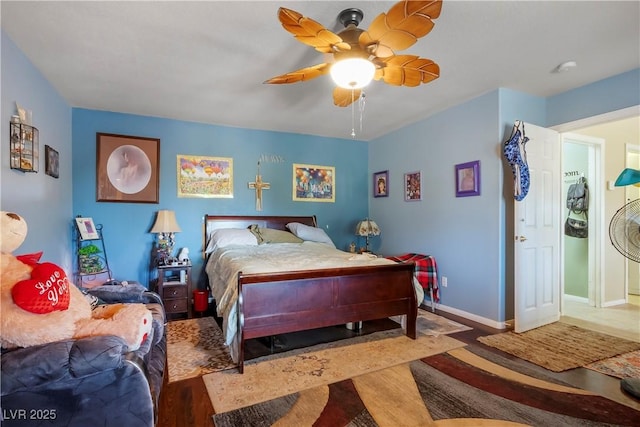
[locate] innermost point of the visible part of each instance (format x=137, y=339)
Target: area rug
x=559, y=346
x=195, y=347
x=281, y=374
x=432, y=324
x=623, y=366
x=464, y=387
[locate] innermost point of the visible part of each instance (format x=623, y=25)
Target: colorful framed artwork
x=313, y=183
x=203, y=176
x=412, y=186
x=87, y=229
x=468, y=179
x=127, y=168
x=381, y=184
x=52, y=162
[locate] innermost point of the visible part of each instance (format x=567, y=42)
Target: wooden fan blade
x=343, y=97
x=310, y=32
x=300, y=75
x=407, y=70
x=401, y=26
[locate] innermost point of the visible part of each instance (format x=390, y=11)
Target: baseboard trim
x=473, y=317
x=576, y=298
x=615, y=302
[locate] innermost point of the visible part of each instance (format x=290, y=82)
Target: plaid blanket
x=426, y=271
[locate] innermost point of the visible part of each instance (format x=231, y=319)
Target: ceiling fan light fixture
x=353, y=73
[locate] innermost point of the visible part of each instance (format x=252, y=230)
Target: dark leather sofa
x=87, y=382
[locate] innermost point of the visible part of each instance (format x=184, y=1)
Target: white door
x=537, y=234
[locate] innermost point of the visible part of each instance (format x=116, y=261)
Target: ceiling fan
x=372, y=52
x=624, y=228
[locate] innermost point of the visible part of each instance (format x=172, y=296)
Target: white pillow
x=313, y=234
x=230, y=236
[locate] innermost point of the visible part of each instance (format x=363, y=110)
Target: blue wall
x=471, y=237
x=614, y=93
x=126, y=225
x=462, y=233
x=44, y=201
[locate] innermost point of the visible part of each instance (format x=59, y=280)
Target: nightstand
x=174, y=287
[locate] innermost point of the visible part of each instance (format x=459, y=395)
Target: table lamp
x=628, y=177
x=367, y=227
x=165, y=226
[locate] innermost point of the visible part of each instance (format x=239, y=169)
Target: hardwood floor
x=186, y=403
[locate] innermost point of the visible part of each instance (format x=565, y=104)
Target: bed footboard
x=277, y=303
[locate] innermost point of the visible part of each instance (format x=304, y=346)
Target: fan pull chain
x=353, y=119
x=361, y=103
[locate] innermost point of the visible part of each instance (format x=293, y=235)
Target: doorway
x=582, y=161
x=607, y=307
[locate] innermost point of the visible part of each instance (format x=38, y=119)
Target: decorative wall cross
x=258, y=185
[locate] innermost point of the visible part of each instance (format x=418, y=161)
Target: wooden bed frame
x=278, y=303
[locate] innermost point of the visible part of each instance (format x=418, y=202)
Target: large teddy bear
x=39, y=305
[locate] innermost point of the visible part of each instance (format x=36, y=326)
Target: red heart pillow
x=30, y=259
x=45, y=292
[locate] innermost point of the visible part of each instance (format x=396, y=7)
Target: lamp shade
x=367, y=227
x=628, y=177
x=352, y=73
x=166, y=223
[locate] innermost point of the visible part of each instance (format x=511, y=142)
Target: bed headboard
x=214, y=222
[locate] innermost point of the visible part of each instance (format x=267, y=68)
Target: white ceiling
x=205, y=61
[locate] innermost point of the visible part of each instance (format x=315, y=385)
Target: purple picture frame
x=468, y=179
x=381, y=184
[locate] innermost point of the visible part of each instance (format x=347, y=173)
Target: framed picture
x=201, y=176
x=468, y=179
x=381, y=184
x=412, y=186
x=312, y=183
x=127, y=168
x=87, y=229
x=52, y=162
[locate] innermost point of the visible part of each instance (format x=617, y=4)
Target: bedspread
x=426, y=271
x=224, y=264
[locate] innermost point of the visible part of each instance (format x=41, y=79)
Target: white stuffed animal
x=39, y=305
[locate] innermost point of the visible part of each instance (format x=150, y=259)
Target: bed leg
x=241, y=354
x=412, y=317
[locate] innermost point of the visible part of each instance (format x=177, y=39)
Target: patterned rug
x=195, y=347
x=278, y=375
x=559, y=346
x=432, y=324
x=623, y=366
x=463, y=387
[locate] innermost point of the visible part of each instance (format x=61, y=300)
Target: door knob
x=522, y=238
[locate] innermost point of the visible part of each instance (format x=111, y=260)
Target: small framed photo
x=381, y=184
x=52, y=162
x=412, y=186
x=468, y=179
x=313, y=183
x=87, y=229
